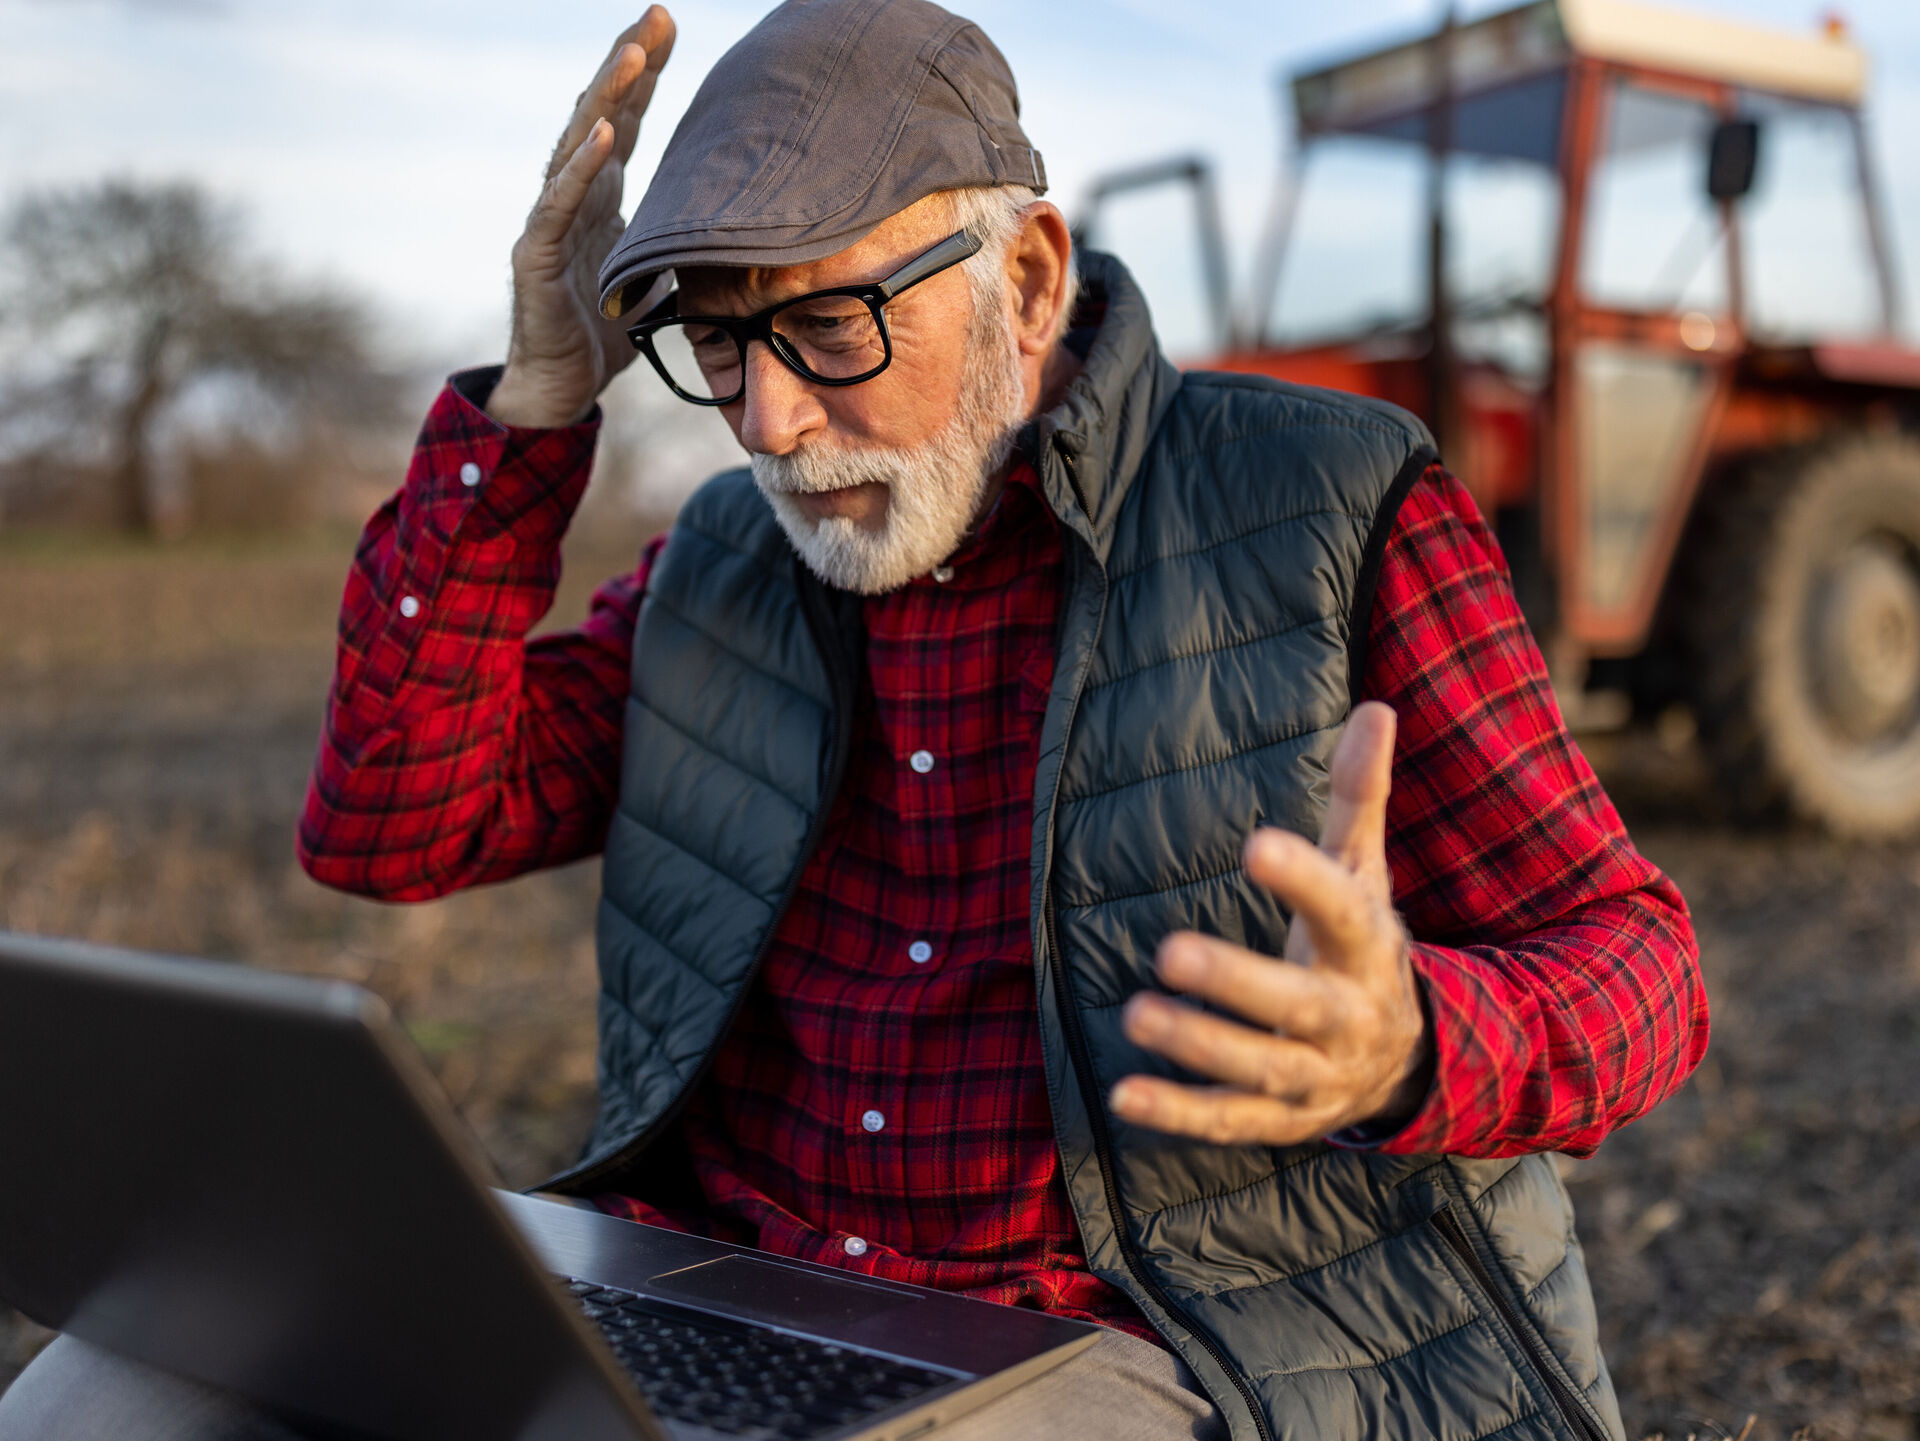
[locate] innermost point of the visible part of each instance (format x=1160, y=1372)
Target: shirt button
x=942, y=574
x=921, y=761
x=409, y=606
x=854, y=1246
x=469, y=474
x=874, y=1121
x=919, y=953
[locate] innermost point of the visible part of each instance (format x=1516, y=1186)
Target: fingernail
x=1182, y=953
x=1120, y=1097
x=1166, y=957
x=1148, y=1019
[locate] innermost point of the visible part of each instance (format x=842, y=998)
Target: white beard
x=933, y=491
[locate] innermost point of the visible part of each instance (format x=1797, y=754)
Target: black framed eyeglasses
x=831, y=337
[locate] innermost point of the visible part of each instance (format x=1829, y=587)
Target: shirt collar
x=998, y=545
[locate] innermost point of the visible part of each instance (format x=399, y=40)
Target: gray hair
x=996, y=214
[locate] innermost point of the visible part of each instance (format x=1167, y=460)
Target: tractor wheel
x=1804, y=627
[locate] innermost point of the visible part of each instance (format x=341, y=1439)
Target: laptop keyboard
x=745, y=1380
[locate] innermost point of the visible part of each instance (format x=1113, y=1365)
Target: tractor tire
x=1802, y=617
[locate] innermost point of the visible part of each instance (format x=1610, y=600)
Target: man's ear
x=1037, y=269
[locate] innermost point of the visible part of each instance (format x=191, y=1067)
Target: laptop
x=251, y=1179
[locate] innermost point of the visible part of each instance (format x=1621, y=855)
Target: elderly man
x=955, y=765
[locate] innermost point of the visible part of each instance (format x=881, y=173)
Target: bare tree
x=120, y=295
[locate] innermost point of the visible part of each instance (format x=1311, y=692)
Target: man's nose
x=779, y=409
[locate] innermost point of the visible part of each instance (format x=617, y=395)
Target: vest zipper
x=579, y=1180
x=1103, y=1151
x=1102, y=1141
x=845, y=695
x=1454, y=1233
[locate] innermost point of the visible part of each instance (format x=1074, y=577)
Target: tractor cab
x=1629, y=265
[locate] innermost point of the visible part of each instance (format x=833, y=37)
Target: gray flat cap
x=826, y=118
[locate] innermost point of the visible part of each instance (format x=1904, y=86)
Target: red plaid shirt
x=880, y=1103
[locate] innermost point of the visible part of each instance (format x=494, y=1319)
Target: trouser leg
x=76, y=1392
x=1119, y=1389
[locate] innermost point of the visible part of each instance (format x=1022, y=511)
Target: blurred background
x=1647, y=276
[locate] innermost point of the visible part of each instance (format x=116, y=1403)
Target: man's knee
x=77, y=1392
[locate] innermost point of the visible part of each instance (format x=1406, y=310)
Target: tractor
x=1630, y=266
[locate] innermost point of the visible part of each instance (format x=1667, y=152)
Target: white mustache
x=814, y=472
x=783, y=481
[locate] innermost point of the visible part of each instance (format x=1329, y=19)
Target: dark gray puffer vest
x=1223, y=534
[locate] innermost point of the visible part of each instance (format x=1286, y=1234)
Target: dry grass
x=1754, y=1244
x=158, y=711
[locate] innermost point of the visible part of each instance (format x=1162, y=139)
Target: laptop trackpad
x=778, y=1295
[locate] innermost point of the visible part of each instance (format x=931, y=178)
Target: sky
x=394, y=145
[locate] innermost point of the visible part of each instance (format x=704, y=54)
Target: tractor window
x=1501, y=222
x=1355, y=260
x=1502, y=219
x=1654, y=240
x=1637, y=417
x=1809, y=264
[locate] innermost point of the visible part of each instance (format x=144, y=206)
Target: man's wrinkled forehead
x=743, y=289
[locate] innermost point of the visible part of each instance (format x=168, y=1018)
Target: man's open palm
x=1334, y=1033
x=563, y=352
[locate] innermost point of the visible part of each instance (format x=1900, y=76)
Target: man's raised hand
x=1336, y=1034
x=563, y=352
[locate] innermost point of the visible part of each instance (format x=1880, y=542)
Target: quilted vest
x=1222, y=537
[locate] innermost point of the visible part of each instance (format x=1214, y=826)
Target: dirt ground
x=1754, y=1243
